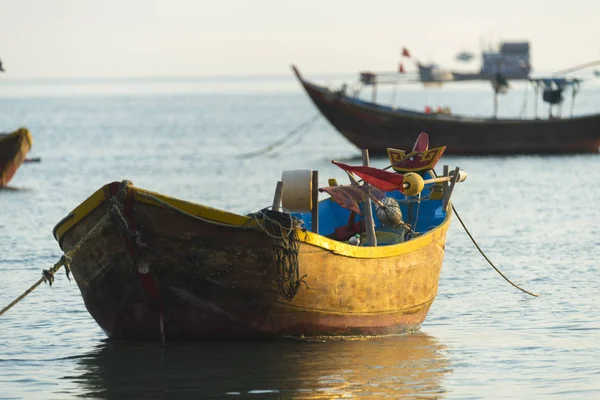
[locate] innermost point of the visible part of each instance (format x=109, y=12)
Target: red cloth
x=349, y=196
x=386, y=181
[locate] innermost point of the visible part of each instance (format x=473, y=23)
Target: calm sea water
x=535, y=217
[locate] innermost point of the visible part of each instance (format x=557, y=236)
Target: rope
x=286, y=245
x=48, y=275
x=297, y=130
x=577, y=67
x=481, y=251
x=271, y=222
x=418, y=209
x=487, y=259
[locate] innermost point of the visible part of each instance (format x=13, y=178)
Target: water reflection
x=411, y=365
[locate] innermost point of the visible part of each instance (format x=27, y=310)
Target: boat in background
x=14, y=147
x=373, y=126
x=154, y=267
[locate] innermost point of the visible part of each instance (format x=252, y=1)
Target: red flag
x=405, y=52
x=401, y=68
x=422, y=142
x=387, y=181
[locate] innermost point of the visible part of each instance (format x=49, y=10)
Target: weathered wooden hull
x=375, y=127
x=193, y=279
x=13, y=149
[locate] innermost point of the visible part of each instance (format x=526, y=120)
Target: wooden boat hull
x=13, y=149
x=156, y=267
x=375, y=127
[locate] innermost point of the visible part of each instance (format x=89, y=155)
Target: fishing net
x=282, y=228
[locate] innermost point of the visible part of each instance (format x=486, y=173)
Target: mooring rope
x=479, y=248
x=487, y=259
x=48, y=274
x=304, y=126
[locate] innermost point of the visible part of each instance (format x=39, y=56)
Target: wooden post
x=369, y=223
x=277, y=197
x=451, y=187
x=315, y=202
x=445, y=189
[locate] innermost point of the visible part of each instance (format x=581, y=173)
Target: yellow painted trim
x=377, y=251
x=86, y=207
x=25, y=131
x=102, y=194
x=97, y=198
x=21, y=132
x=214, y=214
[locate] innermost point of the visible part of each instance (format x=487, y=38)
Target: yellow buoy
x=413, y=184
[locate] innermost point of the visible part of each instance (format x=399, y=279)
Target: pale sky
x=141, y=38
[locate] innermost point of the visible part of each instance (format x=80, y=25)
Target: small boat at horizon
x=14, y=147
x=155, y=267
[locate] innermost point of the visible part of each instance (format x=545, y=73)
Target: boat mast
x=369, y=222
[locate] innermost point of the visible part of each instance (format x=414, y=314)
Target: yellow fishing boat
x=14, y=147
x=150, y=266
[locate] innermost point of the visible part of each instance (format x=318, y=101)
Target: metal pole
x=369, y=222
x=315, y=202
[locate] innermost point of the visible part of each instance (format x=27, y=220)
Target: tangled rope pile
x=281, y=227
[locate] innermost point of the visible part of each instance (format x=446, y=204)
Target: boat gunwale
x=238, y=221
x=24, y=132
x=14, y=145
x=451, y=119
